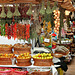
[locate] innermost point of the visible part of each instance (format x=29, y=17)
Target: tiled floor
x=71, y=68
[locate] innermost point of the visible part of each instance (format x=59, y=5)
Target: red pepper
x=27, y=31
x=12, y=30
x=6, y=28
x=15, y=31
x=9, y=33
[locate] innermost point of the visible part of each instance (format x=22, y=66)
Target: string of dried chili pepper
x=6, y=29
x=15, y=31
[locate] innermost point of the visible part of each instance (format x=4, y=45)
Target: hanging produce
x=46, y=37
x=12, y=27
x=54, y=7
x=42, y=10
x=35, y=14
x=2, y=30
x=16, y=13
x=57, y=21
x=9, y=32
x=3, y=14
x=48, y=10
x=29, y=12
x=20, y=33
x=27, y=31
x=9, y=13
x=6, y=29
x=15, y=31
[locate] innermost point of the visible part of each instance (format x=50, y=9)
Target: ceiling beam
x=18, y=1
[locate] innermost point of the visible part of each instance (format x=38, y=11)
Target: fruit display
x=43, y=59
x=6, y=71
x=43, y=56
x=22, y=48
x=46, y=37
x=4, y=48
x=6, y=59
x=24, y=59
x=38, y=71
x=19, y=72
x=11, y=71
x=24, y=56
x=62, y=50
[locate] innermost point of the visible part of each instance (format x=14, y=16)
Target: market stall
x=34, y=38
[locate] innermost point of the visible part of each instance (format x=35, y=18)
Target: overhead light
x=32, y=10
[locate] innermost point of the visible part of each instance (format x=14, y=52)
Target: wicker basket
x=41, y=73
x=7, y=50
x=6, y=61
x=22, y=50
x=23, y=62
x=43, y=62
x=18, y=73
x=9, y=72
x=62, y=53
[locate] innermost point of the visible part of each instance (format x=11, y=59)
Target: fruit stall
x=36, y=36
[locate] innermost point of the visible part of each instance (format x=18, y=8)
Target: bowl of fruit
x=43, y=59
x=24, y=59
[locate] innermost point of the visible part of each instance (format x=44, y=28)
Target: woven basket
x=5, y=59
x=62, y=53
x=5, y=62
x=41, y=73
x=23, y=62
x=43, y=62
x=7, y=50
x=22, y=50
x=9, y=72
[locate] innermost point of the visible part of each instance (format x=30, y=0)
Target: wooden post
x=61, y=22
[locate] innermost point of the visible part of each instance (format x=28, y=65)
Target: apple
x=50, y=54
x=39, y=56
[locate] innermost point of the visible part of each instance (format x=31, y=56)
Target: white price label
x=46, y=40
